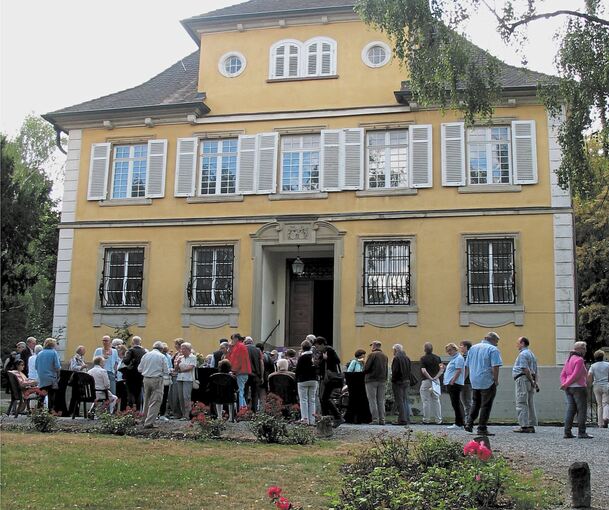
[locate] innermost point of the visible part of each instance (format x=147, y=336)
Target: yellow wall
x=356, y=85
x=438, y=269
x=438, y=197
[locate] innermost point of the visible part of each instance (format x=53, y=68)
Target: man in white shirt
x=153, y=367
x=102, y=382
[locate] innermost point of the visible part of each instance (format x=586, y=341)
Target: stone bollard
x=579, y=477
x=325, y=426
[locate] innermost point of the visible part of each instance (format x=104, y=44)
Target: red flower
x=283, y=504
x=274, y=492
x=478, y=478
x=484, y=453
x=471, y=448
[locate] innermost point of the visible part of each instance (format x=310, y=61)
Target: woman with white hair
x=184, y=366
x=573, y=380
x=32, y=372
x=77, y=362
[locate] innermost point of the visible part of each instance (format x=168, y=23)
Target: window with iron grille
x=122, y=277
x=211, y=276
x=387, y=273
x=490, y=271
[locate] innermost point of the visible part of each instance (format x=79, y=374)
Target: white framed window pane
x=129, y=171
x=233, y=65
x=300, y=162
x=489, y=155
x=218, y=166
x=377, y=55
x=387, y=159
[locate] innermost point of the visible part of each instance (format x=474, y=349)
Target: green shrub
x=385, y=452
x=268, y=428
x=208, y=428
x=439, y=451
x=300, y=434
x=43, y=421
x=383, y=487
x=119, y=424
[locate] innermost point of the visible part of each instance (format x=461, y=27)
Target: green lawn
x=52, y=471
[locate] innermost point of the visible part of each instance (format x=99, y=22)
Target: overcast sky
x=62, y=52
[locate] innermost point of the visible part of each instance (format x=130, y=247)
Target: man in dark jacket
x=254, y=381
x=220, y=353
x=375, y=375
x=133, y=379
x=400, y=382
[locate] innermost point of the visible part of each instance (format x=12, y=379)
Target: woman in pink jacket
x=573, y=380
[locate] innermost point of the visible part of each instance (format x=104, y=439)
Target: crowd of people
x=160, y=381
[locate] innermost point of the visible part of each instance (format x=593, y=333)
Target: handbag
x=413, y=379
x=195, y=384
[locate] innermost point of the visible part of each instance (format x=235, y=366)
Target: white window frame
x=130, y=160
x=387, y=170
x=302, y=59
x=219, y=156
x=366, y=60
x=222, y=64
x=490, y=144
x=300, y=151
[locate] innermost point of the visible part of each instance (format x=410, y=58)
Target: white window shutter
x=524, y=152
x=353, y=167
x=420, y=156
x=330, y=159
x=312, y=59
x=453, y=154
x=267, y=162
x=186, y=167
x=293, y=67
x=157, y=158
x=246, y=164
x=98, y=171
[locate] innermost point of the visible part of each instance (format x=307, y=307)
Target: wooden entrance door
x=301, y=310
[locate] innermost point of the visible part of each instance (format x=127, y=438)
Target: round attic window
x=231, y=64
x=376, y=54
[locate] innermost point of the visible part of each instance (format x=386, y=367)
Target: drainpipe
x=58, y=140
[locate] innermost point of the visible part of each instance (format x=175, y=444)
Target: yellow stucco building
x=279, y=181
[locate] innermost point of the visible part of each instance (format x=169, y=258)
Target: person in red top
x=240, y=361
x=574, y=383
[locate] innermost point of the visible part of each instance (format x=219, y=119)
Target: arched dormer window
x=290, y=58
x=320, y=57
x=286, y=59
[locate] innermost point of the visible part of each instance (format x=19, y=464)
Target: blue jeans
x=576, y=403
x=241, y=380
x=112, y=377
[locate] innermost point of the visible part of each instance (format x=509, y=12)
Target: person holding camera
x=525, y=377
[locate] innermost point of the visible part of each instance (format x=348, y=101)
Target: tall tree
x=29, y=233
x=445, y=69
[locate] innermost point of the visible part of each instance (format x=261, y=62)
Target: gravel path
x=546, y=449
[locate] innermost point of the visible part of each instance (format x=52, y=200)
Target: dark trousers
x=51, y=397
x=482, y=402
x=253, y=387
x=121, y=393
x=400, y=394
x=576, y=403
x=328, y=407
x=134, y=390
x=454, y=391
x=164, y=402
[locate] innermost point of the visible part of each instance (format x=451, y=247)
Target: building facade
x=279, y=182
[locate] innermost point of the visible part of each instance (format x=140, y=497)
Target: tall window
x=211, y=276
x=129, y=171
x=387, y=153
x=122, y=277
x=218, y=166
x=300, y=162
x=490, y=271
x=387, y=273
x=489, y=159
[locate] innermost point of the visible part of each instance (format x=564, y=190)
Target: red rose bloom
x=273, y=492
x=283, y=504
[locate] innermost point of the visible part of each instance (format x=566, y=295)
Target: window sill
x=490, y=188
x=386, y=192
x=317, y=195
x=117, y=317
x=117, y=202
x=386, y=316
x=303, y=78
x=210, y=318
x=214, y=198
x=491, y=315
